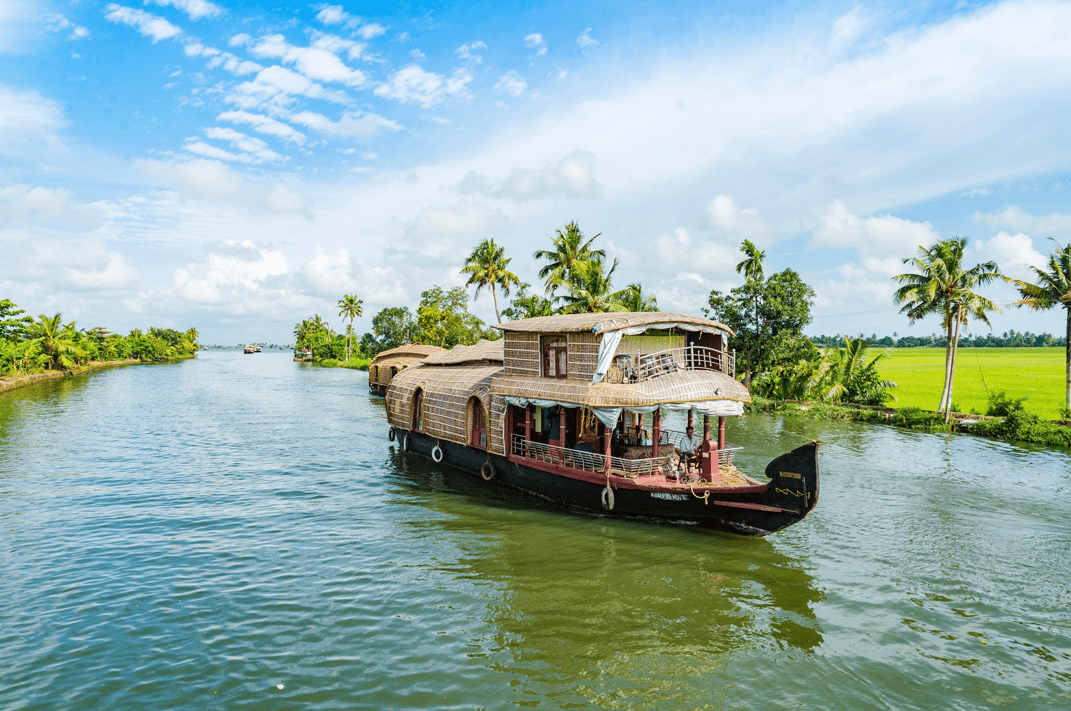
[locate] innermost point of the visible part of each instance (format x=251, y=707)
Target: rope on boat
x=706, y=494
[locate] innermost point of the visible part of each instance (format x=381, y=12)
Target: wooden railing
x=674, y=437
x=587, y=461
x=635, y=368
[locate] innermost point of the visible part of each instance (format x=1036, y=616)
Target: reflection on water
x=585, y=598
x=235, y=532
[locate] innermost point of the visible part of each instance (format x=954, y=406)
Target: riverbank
x=8, y=382
x=1019, y=426
x=353, y=364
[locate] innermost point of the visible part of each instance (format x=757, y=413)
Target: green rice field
x=1036, y=374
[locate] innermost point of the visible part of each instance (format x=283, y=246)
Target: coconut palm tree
x=570, y=250
x=1052, y=288
x=751, y=267
x=487, y=266
x=591, y=290
x=942, y=286
x=350, y=307
x=55, y=342
x=634, y=299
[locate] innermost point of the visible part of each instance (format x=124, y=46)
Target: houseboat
x=249, y=349
x=302, y=355
x=570, y=408
x=389, y=363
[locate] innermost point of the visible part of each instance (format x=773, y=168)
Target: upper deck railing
x=635, y=368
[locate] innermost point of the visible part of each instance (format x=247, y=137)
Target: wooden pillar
x=606, y=447
x=691, y=417
x=708, y=460
x=721, y=433
x=656, y=432
x=561, y=426
x=528, y=423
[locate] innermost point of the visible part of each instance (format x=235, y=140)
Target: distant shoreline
x=11, y=383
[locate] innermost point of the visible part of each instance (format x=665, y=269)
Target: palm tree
x=751, y=267
x=942, y=286
x=486, y=266
x=1053, y=288
x=570, y=250
x=633, y=299
x=350, y=306
x=590, y=289
x=55, y=341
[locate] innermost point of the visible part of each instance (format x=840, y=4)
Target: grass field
x=1036, y=374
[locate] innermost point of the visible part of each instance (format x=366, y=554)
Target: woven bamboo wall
x=447, y=391
x=644, y=343
x=522, y=355
x=583, y=355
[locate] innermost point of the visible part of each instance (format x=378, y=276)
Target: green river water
x=236, y=532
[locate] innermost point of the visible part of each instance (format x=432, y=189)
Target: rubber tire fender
x=437, y=453
x=608, y=498
x=391, y=436
x=487, y=471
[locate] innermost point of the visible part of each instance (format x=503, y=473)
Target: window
x=478, y=436
x=555, y=357
x=418, y=411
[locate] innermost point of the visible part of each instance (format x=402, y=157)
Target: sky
x=238, y=167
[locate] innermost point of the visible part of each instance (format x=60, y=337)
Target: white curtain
x=612, y=339
x=610, y=415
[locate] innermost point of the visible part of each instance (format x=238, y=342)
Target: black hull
x=787, y=499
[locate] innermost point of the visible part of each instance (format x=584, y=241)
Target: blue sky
x=238, y=168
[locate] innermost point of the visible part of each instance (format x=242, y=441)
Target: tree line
x=29, y=345
x=1009, y=339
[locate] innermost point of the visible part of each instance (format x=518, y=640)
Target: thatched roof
x=482, y=352
x=411, y=351
x=597, y=323
x=686, y=386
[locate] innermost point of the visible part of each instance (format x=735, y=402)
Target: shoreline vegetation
x=1017, y=425
x=46, y=348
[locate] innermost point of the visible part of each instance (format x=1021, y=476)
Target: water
x=234, y=532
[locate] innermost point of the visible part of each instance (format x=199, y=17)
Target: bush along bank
x=1017, y=425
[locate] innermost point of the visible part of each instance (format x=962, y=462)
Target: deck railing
x=587, y=461
x=635, y=368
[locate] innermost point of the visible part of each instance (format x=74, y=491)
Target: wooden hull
x=753, y=510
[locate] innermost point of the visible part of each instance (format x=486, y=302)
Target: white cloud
x=355, y=124
x=27, y=118
x=231, y=269
x=196, y=9
x=216, y=58
x=370, y=30
x=413, y=85
x=316, y=63
x=276, y=87
x=585, y=40
x=329, y=274
x=212, y=181
x=1014, y=254
x=264, y=124
x=332, y=14
x=511, y=83
x=573, y=176
x=468, y=51
x=253, y=150
x=737, y=225
x=20, y=205
x=1015, y=218
x=149, y=25
x=333, y=43
x=337, y=15
x=881, y=236
x=536, y=43
x=58, y=23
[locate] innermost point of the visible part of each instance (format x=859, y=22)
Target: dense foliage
x=768, y=316
x=33, y=346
